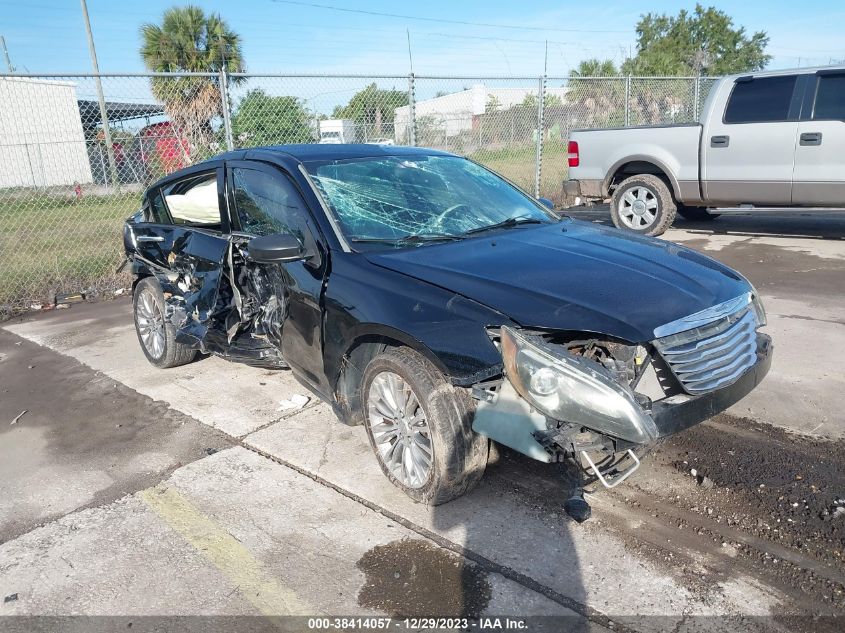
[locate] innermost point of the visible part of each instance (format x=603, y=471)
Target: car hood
x=574, y=276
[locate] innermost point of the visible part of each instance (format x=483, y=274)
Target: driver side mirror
x=276, y=248
x=546, y=203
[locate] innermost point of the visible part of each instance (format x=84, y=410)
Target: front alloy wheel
x=420, y=427
x=400, y=429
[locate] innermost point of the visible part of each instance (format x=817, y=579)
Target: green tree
x=704, y=42
x=264, y=120
x=373, y=108
x=595, y=68
x=188, y=40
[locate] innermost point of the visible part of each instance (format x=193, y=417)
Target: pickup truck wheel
x=643, y=204
x=698, y=214
x=420, y=427
x=156, y=334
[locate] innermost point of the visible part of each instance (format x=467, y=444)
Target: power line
x=441, y=20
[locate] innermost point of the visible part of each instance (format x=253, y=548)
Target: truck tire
x=409, y=405
x=697, y=214
x=156, y=334
x=643, y=204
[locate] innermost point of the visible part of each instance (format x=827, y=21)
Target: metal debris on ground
x=10, y=598
x=20, y=415
x=296, y=401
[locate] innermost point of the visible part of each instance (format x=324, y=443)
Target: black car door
x=184, y=242
x=286, y=298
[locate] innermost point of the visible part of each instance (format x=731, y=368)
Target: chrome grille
x=713, y=355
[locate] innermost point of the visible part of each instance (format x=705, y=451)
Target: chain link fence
x=76, y=152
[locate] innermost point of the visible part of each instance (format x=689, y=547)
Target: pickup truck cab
x=769, y=139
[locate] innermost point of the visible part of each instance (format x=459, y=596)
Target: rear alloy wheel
x=420, y=427
x=156, y=334
x=643, y=204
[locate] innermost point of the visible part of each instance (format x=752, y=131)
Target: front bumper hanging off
x=510, y=420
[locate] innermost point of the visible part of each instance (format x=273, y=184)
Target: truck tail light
x=574, y=159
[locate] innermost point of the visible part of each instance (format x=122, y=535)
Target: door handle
x=811, y=138
x=720, y=141
x=149, y=238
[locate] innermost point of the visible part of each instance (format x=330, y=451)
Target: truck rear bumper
x=585, y=189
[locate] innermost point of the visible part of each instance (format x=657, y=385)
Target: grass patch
x=54, y=244
x=517, y=165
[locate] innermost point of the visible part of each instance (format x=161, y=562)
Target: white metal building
x=41, y=139
x=454, y=112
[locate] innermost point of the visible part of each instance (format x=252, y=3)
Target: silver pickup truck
x=769, y=139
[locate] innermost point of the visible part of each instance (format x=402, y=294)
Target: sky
x=466, y=37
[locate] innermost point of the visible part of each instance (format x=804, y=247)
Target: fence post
x=628, y=100
x=538, y=156
x=412, y=112
x=227, y=115
x=696, y=95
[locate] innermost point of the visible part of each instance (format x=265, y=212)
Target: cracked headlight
x=572, y=389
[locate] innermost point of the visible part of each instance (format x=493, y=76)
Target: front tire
x=420, y=428
x=643, y=204
x=156, y=334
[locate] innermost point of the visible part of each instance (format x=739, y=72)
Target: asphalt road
x=126, y=490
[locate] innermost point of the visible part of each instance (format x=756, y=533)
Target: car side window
x=269, y=203
x=157, y=211
x=194, y=201
x=830, y=98
x=760, y=100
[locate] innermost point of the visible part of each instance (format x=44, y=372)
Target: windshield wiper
x=411, y=238
x=505, y=224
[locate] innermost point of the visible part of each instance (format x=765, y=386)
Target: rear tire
x=696, y=214
x=643, y=204
x=436, y=416
x=156, y=334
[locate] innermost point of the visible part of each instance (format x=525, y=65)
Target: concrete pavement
x=296, y=517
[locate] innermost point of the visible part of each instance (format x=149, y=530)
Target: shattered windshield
x=404, y=200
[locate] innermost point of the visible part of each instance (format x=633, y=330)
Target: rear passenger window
x=194, y=201
x=760, y=100
x=157, y=210
x=830, y=98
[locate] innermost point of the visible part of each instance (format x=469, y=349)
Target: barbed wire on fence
x=62, y=208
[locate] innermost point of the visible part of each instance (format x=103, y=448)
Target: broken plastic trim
x=613, y=481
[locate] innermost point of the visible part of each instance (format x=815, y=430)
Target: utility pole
x=103, y=113
x=9, y=66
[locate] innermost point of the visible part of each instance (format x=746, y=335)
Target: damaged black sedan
x=437, y=304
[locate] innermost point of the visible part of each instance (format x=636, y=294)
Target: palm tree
x=188, y=40
x=597, y=102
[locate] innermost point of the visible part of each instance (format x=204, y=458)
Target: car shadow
x=795, y=223
x=515, y=531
